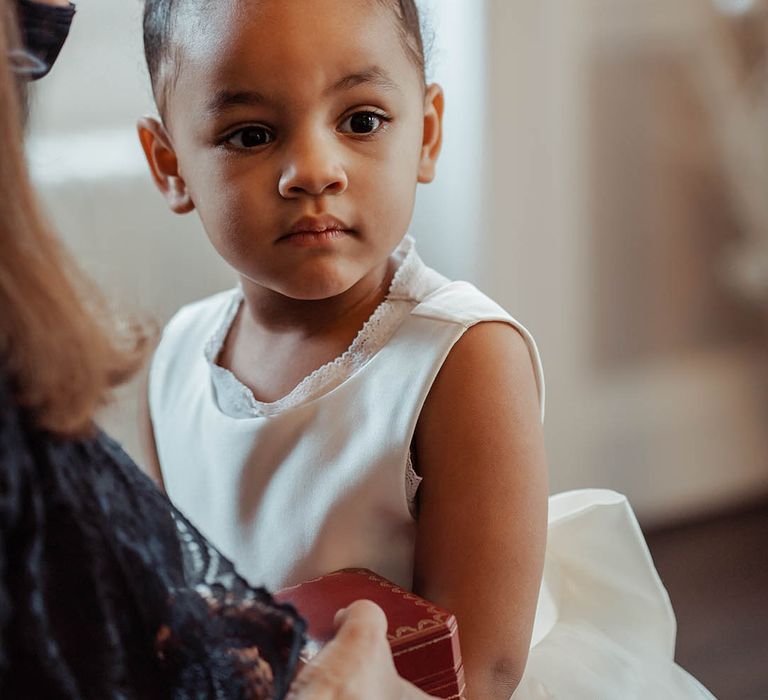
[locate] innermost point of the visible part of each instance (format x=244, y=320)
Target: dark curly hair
x=160, y=17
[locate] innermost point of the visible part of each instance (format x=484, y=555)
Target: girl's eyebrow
x=370, y=76
x=223, y=100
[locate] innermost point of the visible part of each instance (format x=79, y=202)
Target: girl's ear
x=434, y=103
x=164, y=165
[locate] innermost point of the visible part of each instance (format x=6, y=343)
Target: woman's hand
x=355, y=665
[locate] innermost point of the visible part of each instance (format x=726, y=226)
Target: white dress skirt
x=604, y=626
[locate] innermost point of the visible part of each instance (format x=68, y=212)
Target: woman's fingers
x=361, y=617
x=356, y=664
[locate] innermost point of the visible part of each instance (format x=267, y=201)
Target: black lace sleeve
x=108, y=592
x=10, y=501
x=237, y=635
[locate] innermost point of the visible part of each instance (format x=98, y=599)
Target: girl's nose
x=313, y=169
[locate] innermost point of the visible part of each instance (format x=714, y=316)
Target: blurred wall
x=602, y=219
x=518, y=207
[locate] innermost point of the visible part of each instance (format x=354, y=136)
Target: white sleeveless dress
x=322, y=480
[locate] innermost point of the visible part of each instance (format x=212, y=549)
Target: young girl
x=345, y=405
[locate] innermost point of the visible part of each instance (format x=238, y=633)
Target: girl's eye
x=363, y=123
x=250, y=137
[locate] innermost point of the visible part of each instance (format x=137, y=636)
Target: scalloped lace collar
x=410, y=283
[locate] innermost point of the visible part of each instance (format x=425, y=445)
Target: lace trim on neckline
x=237, y=400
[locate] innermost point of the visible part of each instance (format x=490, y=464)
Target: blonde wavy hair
x=61, y=349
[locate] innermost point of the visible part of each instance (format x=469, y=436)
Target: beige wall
x=679, y=422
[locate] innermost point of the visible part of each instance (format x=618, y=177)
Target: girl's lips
x=306, y=239
x=316, y=230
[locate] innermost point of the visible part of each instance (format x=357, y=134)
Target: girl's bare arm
x=483, y=503
x=151, y=462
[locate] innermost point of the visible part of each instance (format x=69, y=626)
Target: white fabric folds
x=604, y=626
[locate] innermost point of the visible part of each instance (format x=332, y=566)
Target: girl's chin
x=317, y=281
x=318, y=289
x=318, y=293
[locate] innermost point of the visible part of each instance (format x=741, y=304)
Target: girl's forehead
x=281, y=33
x=305, y=46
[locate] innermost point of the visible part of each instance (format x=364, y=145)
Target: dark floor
x=716, y=572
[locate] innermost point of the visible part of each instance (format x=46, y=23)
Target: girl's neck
x=274, y=313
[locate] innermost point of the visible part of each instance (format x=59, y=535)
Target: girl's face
x=300, y=130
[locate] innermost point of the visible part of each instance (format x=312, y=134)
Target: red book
x=424, y=637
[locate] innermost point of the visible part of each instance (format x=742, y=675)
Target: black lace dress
x=107, y=592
